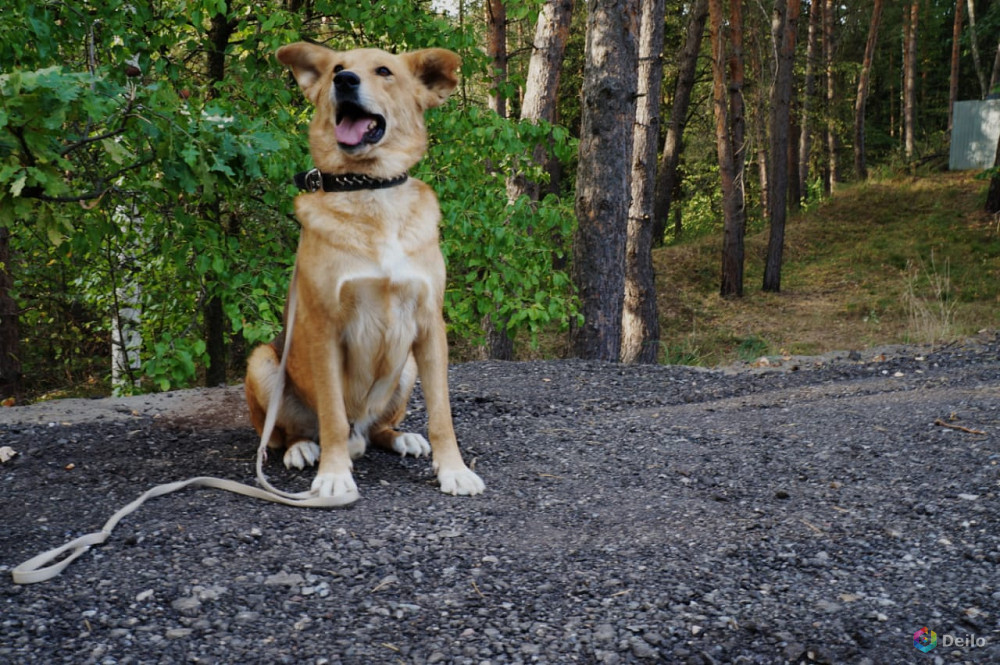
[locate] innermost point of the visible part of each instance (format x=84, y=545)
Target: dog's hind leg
x=296, y=428
x=383, y=433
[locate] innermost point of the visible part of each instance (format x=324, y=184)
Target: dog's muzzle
x=356, y=125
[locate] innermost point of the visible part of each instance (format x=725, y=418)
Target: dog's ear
x=309, y=63
x=437, y=69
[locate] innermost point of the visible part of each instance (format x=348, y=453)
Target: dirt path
x=632, y=514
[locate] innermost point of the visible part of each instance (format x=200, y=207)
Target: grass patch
x=893, y=261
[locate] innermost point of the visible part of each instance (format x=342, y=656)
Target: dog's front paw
x=338, y=485
x=301, y=455
x=461, y=481
x=411, y=444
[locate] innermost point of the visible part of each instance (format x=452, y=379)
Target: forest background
x=147, y=149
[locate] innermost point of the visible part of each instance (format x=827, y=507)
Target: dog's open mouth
x=357, y=126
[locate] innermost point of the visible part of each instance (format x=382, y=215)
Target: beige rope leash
x=47, y=565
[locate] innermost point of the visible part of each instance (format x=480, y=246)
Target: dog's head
x=370, y=104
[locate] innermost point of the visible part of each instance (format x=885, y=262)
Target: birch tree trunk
x=861, y=101
x=602, y=184
x=640, y=321
x=126, y=315
x=974, y=41
x=784, y=29
x=666, y=176
x=542, y=83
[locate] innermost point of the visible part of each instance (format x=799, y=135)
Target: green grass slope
x=895, y=261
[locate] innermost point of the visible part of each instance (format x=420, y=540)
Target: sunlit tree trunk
x=832, y=144
x=730, y=131
x=809, y=92
x=496, y=50
x=860, y=102
x=542, y=83
x=602, y=184
x=956, y=50
x=910, y=82
x=974, y=41
x=640, y=322
x=666, y=175
x=126, y=315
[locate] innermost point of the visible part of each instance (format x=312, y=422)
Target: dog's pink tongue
x=352, y=132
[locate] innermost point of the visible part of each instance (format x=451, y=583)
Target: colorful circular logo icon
x=925, y=639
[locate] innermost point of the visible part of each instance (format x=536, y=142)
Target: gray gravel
x=812, y=512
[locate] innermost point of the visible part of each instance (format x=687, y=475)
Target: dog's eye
x=338, y=68
x=383, y=71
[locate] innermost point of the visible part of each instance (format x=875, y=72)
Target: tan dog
x=370, y=275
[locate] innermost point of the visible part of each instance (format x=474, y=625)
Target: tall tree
x=666, y=175
x=730, y=136
x=219, y=33
x=542, y=83
x=602, y=183
x=10, y=360
x=995, y=76
x=784, y=29
x=956, y=50
x=808, y=94
x=640, y=322
x=910, y=78
x=860, y=102
x=993, y=194
x=496, y=50
x=974, y=42
x=832, y=143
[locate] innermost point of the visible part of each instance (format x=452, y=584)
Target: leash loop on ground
x=48, y=564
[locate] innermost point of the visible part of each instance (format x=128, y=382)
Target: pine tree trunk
x=993, y=195
x=640, y=321
x=10, y=359
x=213, y=313
x=759, y=119
x=809, y=92
x=499, y=344
x=910, y=78
x=956, y=51
x=666, y=176
x=832, y=144
x=860, y=167
x=784, y=29
x=602, y=185
x=727, y=99
x=496, y=49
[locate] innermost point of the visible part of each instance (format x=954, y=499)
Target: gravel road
x=817, y=510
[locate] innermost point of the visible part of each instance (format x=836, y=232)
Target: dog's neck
x=315, y=180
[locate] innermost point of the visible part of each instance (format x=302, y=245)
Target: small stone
x=187, y=606
x=284, y=579
x=178, y=633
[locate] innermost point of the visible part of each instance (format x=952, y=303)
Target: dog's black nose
x=346, y=81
